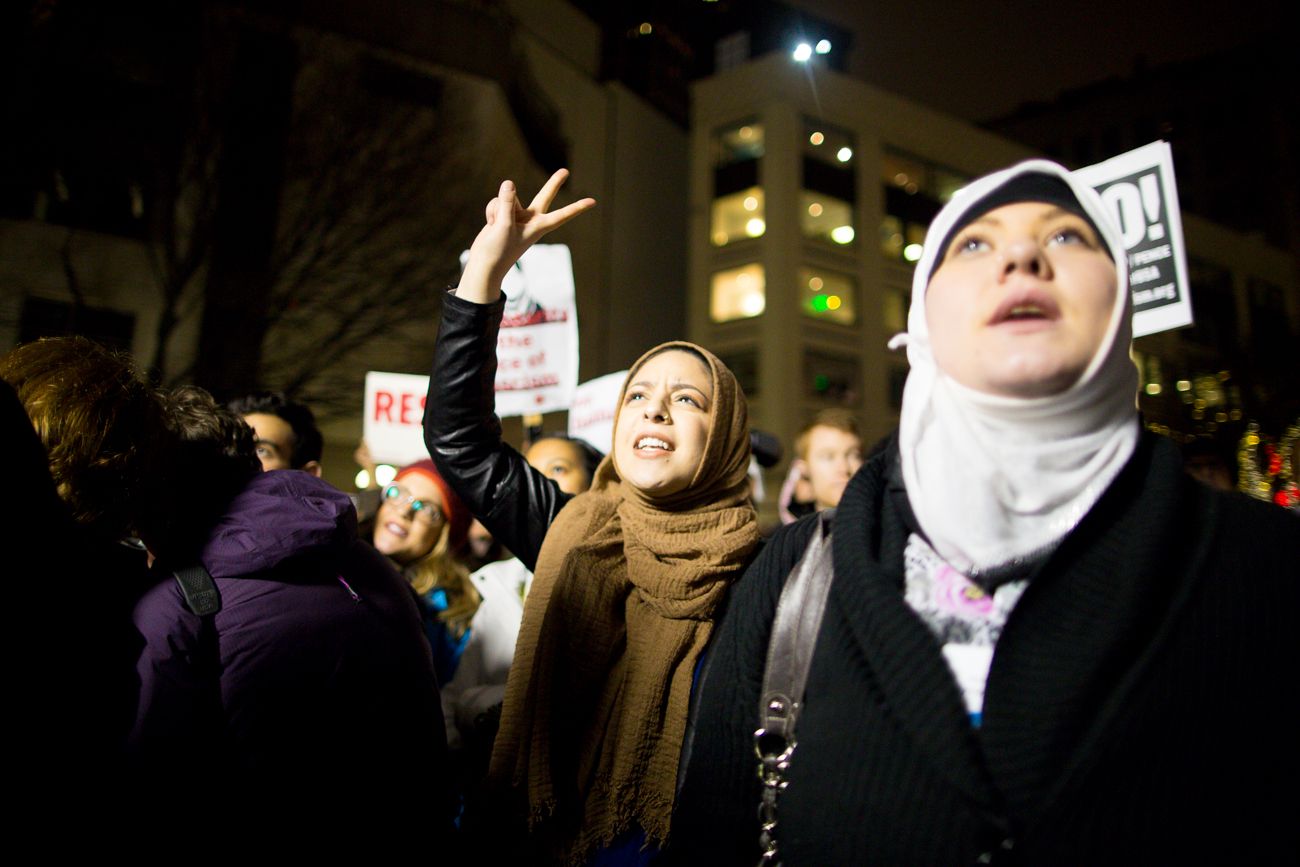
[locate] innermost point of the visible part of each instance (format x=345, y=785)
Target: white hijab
x=995, y=480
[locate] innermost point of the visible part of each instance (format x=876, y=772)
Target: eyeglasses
x=425, y=510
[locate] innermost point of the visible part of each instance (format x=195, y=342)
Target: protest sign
x=1139, y=189
x=591, y=417
x=537, y=348
x=393, y=423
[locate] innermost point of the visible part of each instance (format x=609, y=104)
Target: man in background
x=285, y=432
x=828, y=451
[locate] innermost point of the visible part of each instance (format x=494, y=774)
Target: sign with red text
x=537, y=347
x=393, y=424
x=1138, y=187
x=595, y=403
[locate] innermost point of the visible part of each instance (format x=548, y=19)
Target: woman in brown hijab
x=630, y=577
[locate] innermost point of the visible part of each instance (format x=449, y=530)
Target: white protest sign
x=591, y=417
x=393, y=421
x=1140, y=191
x=537, y=349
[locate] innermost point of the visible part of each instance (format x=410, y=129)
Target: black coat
x=463, y=434
x=1138, y=708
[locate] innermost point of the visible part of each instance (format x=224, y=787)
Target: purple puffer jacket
x=312, y=680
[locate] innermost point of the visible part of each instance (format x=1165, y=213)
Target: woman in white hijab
x=1042, y=643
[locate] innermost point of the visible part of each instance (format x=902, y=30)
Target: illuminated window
x=737, y=212
x=828, y=295
x=831, y=379
x=826, y=218
x=742, y=143
x=737, y=216
x=737, y=293
x=826, y=202
x=915, y=190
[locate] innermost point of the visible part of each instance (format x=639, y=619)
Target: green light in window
x=821, y=382
x=819, y=303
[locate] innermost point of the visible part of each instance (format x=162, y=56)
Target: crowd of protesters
x=1023, y=633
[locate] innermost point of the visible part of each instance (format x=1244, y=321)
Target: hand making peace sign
x=508, y=233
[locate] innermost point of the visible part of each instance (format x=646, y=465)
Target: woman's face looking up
x=663, y=424
x=1021, y=301
x=561, y=460
x=410, y=519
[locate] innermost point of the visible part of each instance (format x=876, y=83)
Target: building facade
x=810, y=196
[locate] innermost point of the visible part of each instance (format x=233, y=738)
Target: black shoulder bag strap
x=199, y=590
x=789, y=656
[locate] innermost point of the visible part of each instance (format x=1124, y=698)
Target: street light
x=802, y=52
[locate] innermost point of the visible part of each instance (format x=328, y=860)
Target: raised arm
x=508, y=232
x=461, y=428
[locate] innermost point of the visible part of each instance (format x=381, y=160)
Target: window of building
x=828, y=295
x=737, y=210
x=738, y=145
x=731, y=51
x=737, y=293
x=737, y=216
x=1271, y=339
x=744, y=366
x=826, y=218
x=832, y=379
x=915, y=190
x=829, y=184
x=1215, y=308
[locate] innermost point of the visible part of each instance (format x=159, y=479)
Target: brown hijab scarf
x=624, y=598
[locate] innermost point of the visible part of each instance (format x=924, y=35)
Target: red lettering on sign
x=383, y=406
x=405, y=416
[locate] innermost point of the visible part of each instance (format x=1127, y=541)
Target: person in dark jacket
x=310, y=692
x=1043, y=643
x=629, y=576
x=99, y=427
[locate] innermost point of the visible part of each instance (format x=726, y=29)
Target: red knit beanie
x=453, y=509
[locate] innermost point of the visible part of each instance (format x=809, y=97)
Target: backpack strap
x=199, y=590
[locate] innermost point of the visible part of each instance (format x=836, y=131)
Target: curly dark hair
x=101, y=426
x=209, y=458
x=308, y=443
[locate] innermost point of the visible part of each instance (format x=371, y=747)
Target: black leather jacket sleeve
x=463, y=434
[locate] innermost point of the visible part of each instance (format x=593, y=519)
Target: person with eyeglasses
x=421, y=526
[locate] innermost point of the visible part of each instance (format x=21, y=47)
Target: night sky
x=980, y=60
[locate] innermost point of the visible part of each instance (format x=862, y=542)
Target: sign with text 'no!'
x=1139, y=189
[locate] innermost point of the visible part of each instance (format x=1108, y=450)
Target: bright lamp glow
x=362, y=480
x=752, y=303
x=844, y=154
x=802, y=52
x=823, y=46
x=912, y=252
x=842, y=234
x=755, y=227
x=384, y=474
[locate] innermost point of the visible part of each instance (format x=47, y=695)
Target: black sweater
x=1138, y=708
